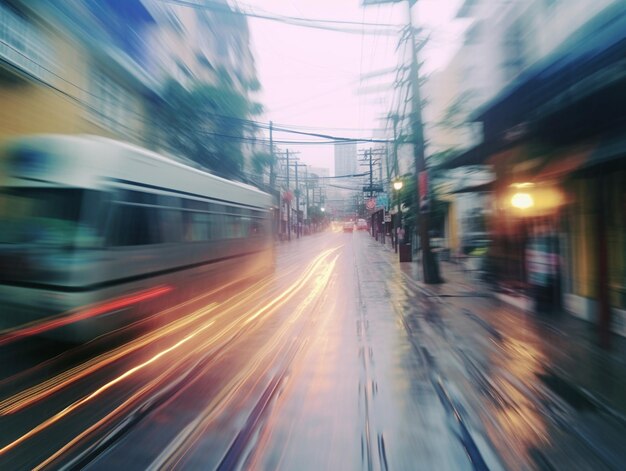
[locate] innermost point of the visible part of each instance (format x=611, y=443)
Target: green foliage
x=408, y=198
x=261, y=161
x=207, y=124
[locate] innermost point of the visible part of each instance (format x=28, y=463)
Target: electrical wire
x=328, y=25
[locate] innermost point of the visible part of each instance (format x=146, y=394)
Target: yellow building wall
x=616, y=234
x=585, y=243
x=63, y=106
x=582, y=237
x=453, y=227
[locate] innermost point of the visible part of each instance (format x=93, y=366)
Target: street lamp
x=397, y=185
x=522, y=201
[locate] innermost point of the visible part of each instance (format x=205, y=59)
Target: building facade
x=52, y=80
x=100, y=67
x=553, y=136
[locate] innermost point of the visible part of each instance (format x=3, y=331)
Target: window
x=256, y=228
x=514, y=50
x=111, y=105
x=43, y=216
x=195, y=205
x=196, y=226
x=171, y=225
x=23, y=45
x=233, y=227
x=200, y=226
x=133, y=225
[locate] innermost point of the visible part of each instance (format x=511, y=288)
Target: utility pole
x=272, y=176
x=371, y=175
x=306, y=186
x=395, y=118
x=288, y=201
x=429, y=263
x=288, y=156
x=297, y=204
x=273, y=181
x=296, y=165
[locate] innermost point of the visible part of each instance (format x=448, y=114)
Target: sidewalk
x=575, y=368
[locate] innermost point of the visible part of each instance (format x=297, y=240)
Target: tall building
x=345, y=158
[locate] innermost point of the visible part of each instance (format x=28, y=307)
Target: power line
x=257, y=124
x=328, y=25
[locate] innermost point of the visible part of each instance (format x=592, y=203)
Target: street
x=340, y=360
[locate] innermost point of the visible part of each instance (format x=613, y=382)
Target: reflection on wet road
x=340, y=360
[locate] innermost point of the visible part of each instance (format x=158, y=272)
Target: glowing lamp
x=522, y=201
x=397, y=185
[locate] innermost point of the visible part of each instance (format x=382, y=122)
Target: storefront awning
x=610, y=149
x=483, y=187
x=473, y=156
x=592, y=58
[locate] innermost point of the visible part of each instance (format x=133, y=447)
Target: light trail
x=72, y=407
x=45, y=325
x=39, y=392
x=29, y=396
x=189, y=436
x=144, y=391
x=298, y=285
x=308, y=273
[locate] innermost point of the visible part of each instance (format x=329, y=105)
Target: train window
x=196, y=205
x=93, y=219
x=216, y=226
x=219, y=208
x=132, y=196
x=200, y=226
x=171, y=225
x=232, y=227
x=46, y=216
x=256, y=228
x=245, y=227
x=169, y=201
x=132, y=225
x=196, y=226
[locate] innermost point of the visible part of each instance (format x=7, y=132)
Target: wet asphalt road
x=338, y=361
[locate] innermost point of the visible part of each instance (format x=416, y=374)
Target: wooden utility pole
x=297, y=204
x=429, y=263
x=288, y=201
x=371, y=175
x=272, y=175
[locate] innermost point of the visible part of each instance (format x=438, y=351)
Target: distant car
x=348, y=226
x=361, y=225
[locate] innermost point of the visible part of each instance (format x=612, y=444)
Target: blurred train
x=92, y=223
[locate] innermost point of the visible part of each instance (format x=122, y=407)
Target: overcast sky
x=313, y=78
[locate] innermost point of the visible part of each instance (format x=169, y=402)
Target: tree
x=207, y=124
x=261, y=161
